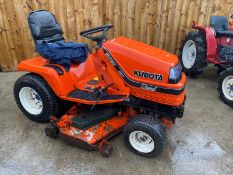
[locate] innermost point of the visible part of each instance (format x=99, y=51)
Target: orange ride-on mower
x=213, y=44
x=125, y=85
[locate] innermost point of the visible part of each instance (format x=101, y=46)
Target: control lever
x=102, y=92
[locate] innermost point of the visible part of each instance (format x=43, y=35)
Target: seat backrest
x=219, y=22
x=44, y=26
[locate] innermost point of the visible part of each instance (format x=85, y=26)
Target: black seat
x=44, y=26
x=221, y=26
x=50, y=43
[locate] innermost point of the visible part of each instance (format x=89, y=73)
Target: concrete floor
x=199, y=143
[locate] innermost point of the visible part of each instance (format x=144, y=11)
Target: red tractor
x=212, y=44
x=124, y=86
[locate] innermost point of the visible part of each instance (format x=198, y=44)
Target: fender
x=211, y=43
x=61, y=84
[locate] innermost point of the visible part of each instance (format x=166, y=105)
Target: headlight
x=175, y=74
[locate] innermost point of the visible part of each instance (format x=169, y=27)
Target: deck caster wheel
x=51, y=131
x=107, y=150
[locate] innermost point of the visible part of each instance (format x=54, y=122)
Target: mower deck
x=88, y=128
x=86, y=118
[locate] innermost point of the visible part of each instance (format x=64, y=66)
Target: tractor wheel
x=145, y=136
x=35, y=98
x=225, y=86
x=193, y=54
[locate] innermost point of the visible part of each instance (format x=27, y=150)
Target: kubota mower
x=125, y=85
x=213, y=44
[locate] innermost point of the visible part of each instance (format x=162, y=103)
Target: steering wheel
x=99, y=38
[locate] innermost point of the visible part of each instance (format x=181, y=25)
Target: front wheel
x=225, y=86
x=145, y=136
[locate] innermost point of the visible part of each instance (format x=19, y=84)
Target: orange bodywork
x=77, y=77
x=129, y=55
x=133, y=55
x=61, y=85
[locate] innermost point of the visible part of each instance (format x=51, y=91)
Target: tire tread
x=200, y=62
x=153, y=126
x=41, y=85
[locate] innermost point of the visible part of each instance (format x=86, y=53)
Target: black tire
x=150, y=126
x=200, y=61
x=226, y=73
x=48, y=98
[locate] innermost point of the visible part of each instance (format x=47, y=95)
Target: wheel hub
x=189, y=54
x=227, y=87
x=231, y=87
x=193, y=54
x=38, y=97
x=141, y=141
x=30, y=100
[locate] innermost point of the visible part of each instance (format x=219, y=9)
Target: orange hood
x=133, y=56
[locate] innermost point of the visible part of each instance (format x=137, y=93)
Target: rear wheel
x=35, y=98
x=225, y=86
x=145, y=136
x=193, y=54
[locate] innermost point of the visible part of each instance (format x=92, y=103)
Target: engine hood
x=141, y=62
